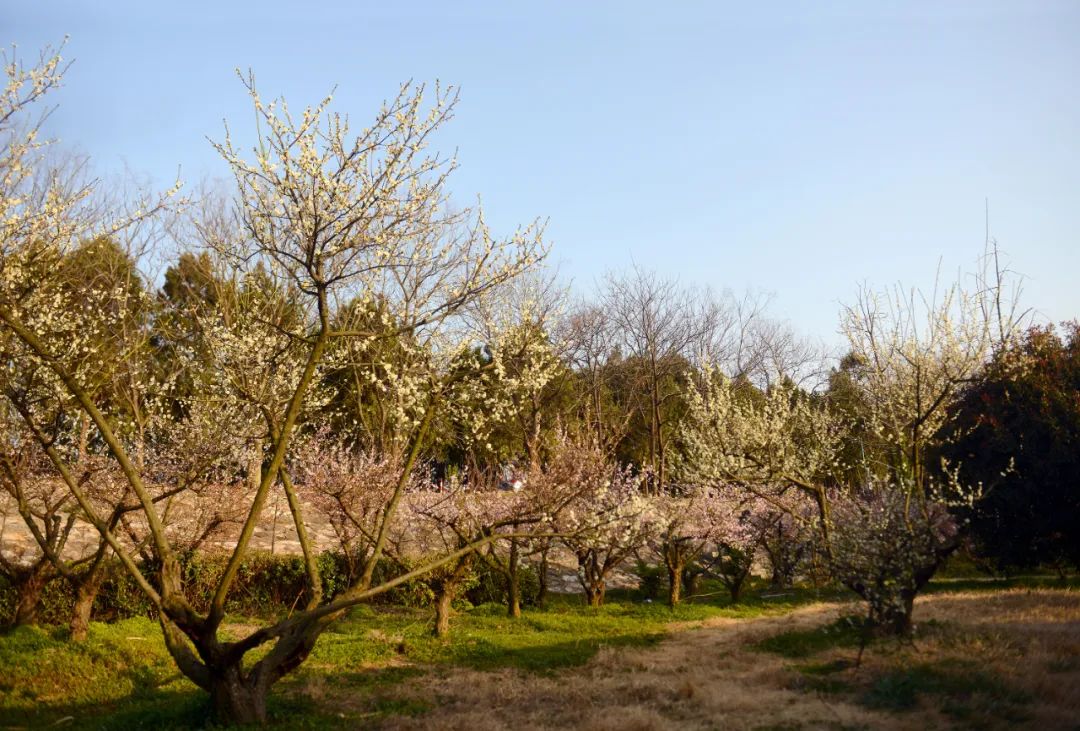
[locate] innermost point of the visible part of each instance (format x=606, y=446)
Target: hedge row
x=265, y=585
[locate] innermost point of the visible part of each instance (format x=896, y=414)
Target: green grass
x=121, y=667
x=565, y=634
x=123, y=678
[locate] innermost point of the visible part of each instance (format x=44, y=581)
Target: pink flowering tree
x=606, y=523
x=786, y=539
x=466, y=513
x=353, y=489
x=685, y=526
x=737, y=540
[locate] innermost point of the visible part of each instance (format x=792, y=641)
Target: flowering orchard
x=338, y=336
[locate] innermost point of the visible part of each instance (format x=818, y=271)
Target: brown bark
x=658, y=427
x=735, y=587
x=692, y=582
x=444, y=598
x=674, y=573
x=542, y=591
x=513, y=582
x=446, y=590
x=29, y=588
x=592, y=574
x=594, y=592
x=893, y=619
x=236, y=699
x=85, y=594
x=513, y=595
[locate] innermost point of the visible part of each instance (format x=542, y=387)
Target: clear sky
x=794, y=148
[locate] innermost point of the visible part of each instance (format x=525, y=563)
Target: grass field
x=984, y=655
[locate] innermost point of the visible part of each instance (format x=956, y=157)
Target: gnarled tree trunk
x=594, y=593
x=444, y=598
x=893, y=618
x=691, y=580
x=446, y=589
x=593, y=577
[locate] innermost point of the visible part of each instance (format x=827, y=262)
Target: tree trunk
x=649, y=487
x=513, y=582
x=28, y=593
x=85, y=594
x=235, y=699
x=594, y=593
x=513, y=596
x=444, y=598
x=893, y=620
x=778, y=580
x=735, y=589
x=674, y=572
x=890, y=613
x=592, y=576
x=542, y=591
x=446, y=590
x=691, y=580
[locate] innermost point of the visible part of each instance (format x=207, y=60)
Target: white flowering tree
x=528, y=372
x=27, y=567
x=886, y=532
x=47, y=445
x=88, y=298
x=913, y=354
x=329, y=216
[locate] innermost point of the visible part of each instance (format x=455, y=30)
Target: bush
x=652, y=579
x=490, y=586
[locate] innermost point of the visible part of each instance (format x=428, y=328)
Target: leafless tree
x=666, y=327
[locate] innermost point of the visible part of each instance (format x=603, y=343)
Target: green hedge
x=265, y=585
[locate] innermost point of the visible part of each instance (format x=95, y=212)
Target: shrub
x=490, y=586
x=652, y=579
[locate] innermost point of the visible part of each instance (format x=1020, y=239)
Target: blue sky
x=793, y=148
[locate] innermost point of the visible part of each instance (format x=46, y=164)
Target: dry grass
x=1026, y=643
x=1028, y=638
x=698, y=679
